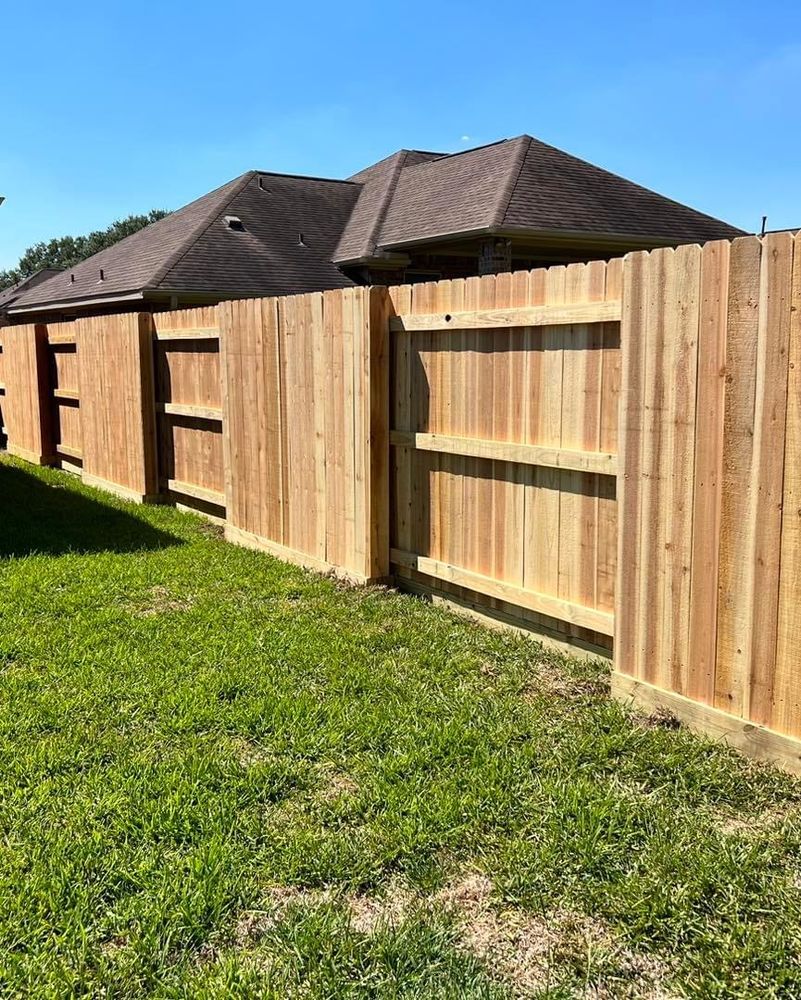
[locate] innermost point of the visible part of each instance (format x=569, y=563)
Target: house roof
x=297, y=232
x=378, y=184
x=10, y=294
x=524, y=184
x=195, y=250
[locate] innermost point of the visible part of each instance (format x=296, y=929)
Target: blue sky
x=116, y=108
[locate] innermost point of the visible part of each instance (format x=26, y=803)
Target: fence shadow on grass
x=37, y=518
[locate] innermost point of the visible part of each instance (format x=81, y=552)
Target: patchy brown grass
x=366, y=913
x=550, y=680
x=213, y=529
x=247, y=752
x=660, y=718
x=526, y=951
x=756, y=825
x=337, y=785
x=160, y=601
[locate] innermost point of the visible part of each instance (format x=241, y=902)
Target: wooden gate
x=504, y=444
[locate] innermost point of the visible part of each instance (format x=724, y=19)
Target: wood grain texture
x=27, y=411
x=708, y=471
x=709, y=575
x=769, y=431
x=555, y=607
x=117, y=403
x=189, y=414
x=603, y=463
x=786, y=702
x=305, y=401
x=473, y=404
x=501, y=316
x=738, y=511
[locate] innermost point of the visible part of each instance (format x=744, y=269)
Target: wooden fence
x=504, y=434
x=709, y=583
x=305, y=401
x=463, y=437
x=189, y=415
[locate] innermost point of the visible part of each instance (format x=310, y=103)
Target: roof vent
x=102, y=274
x=301, y=241
x=72, y=279
x=233, y=222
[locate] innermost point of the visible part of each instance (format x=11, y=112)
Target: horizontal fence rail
x=498, y=319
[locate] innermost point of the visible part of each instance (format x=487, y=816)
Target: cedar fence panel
x=709, y=584
x=63, y=386
x=3, y=433
x=26, y=415
x=186, y=358
x=504, y=434
x=305, y=383
x=116, y=399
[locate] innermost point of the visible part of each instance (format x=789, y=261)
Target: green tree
x=67, y=251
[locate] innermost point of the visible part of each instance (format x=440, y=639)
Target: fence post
x=118, y=413
x=27, y=410
x=377, y=407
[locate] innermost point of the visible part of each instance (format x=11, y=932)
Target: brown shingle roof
x=268, y=258
x=525, y=184
x=378, y=187
x=192, y=250
x=517, y=185
x=10, y=294
x=555, y=191
x=454, y=194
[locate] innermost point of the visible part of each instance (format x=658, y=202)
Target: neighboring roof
x=10, y=295
x=193, y=250
x=524, y=184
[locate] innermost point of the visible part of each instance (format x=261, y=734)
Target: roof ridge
x=199, y=229
x=304, y=177
x=507, y=191
x=472, y=149
x=386, y=201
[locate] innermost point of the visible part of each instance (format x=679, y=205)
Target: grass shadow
x=39, y=518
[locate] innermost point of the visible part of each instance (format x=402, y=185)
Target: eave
x=558, y=236
x=61, y=304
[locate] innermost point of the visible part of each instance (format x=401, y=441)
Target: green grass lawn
x=221, y=776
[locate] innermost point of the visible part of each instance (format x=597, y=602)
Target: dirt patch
x=524, y=951
x=551, y=680
x=159, y=601
x=252, y=925
x=336, y=786
x=369, y=913
x=759, y=823
x=246, y=752
x=661, y=718
x=366, y=913
x=112, y=946
x=211, y=529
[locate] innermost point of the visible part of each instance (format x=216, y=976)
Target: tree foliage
x=67, y=251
